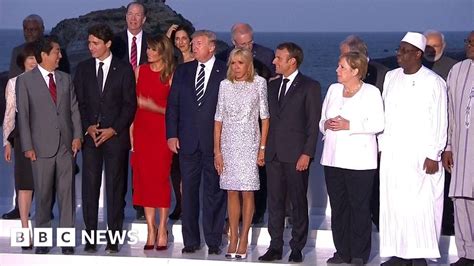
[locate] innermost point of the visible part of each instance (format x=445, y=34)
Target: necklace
x=350, y=92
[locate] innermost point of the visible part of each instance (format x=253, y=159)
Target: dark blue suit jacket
x=193, y=126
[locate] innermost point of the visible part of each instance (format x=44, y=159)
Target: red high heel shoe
x=165, y=247
x=150, y=247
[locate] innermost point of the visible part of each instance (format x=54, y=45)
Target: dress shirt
x=105, y=68
x=138, y=41
x=355, y=148
x=290, y=81
x=207, y=71
x=45, y=74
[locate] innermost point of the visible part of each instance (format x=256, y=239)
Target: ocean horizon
x=321, y=49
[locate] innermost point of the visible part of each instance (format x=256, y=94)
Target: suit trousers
x=115, y=163
x=464, y=227
x=56, y=171
x=195, y=167
x=283, y=180
x=349, y=193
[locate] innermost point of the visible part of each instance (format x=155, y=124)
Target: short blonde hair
x=246, y=56
x=358, y=61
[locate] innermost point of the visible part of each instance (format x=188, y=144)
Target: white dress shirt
x=105, y=68
x=207, y=71
x=290, y=78
x=138, y=41
x=355, y=148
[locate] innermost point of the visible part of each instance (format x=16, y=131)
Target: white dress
x=411, y=201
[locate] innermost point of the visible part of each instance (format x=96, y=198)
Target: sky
x=274, y=15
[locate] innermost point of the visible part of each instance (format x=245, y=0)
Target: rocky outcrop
x=72, y=32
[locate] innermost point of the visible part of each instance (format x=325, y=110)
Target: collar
x=106, y=61
x=291, y=77
x=44, y=72
x=208, y=64
x=130, y=35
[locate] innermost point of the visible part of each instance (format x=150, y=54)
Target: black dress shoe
x=90, y=248
x=463, y=262
x=295, y=256
x=214, y=251
x=30, y=247
x=67, y=250
x=396, y=261
x=270, y=255
x=42, y=250
x=111, y=248
x=190, y=249
x=13, y=214
x=336, y=259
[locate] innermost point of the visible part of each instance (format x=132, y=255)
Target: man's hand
x=430, y=166
x=30, y=155
x=8, y=152
x=173, y=144
x=302, y=163
x=104, y=135
x=76, y=146
x=93, y=132
x=447, y=159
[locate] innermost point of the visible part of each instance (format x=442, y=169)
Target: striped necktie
x=200, y=85
x=52, y=87
x=133, y=53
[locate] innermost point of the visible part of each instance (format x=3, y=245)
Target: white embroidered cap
x=416, y=39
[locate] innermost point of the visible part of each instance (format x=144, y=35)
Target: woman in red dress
x=151, y=158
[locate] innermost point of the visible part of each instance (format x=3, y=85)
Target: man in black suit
x=105, y=88
x=132, y=39
x=190, y=133
x=294, y=101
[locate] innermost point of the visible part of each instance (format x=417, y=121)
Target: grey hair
x=211, y=36
x=435, y=32
x=241, y=28
x=355, y=44
x=35, y=18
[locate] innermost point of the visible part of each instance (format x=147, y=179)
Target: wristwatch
x=262, y=147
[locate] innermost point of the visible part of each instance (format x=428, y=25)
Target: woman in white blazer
x=351, y=117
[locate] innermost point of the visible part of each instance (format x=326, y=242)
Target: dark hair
x=28, y=50
x=137, y=3
x=184, y=28
x=294, y=50
x=101, y=31
x=44, y=44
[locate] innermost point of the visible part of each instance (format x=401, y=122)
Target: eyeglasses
x=469, y=42
x=404, y=50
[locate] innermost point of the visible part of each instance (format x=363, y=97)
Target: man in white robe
x=459, y=155
x=411, y=175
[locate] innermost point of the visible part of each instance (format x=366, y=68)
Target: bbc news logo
x=66, y=237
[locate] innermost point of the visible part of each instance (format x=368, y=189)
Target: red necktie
x=133, y=53
x=52, y=87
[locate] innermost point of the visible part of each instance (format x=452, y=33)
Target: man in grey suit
x=50, y=132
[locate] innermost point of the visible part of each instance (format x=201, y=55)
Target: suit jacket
x=376, y=74
x=114, y=107
x=293, y=127
x=15, y=70
x=120, y=47
x=42, y=123
x=193, y=125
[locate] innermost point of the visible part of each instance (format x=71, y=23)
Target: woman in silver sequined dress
x=238, y=144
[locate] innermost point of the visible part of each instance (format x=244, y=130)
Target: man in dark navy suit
x=190, y=133
x=294, y=101
x=105, y=88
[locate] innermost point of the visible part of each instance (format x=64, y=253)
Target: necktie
x=133, y=53
x=52, y=87
x=100, y=76
x=282, y=91
x=200, y=85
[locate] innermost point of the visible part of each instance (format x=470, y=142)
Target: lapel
x=213, y=79
x=60, y=87
x=273, y=94
x=112, y=70
x=192, y=79
x=39, y=79
x=93, y=75
x=291, y=91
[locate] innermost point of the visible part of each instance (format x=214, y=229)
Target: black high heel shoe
x=165, y=247
x=150, y=247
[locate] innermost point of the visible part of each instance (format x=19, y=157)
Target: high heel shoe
x=230, y=255
x=165, y=247
x=30, y=247
x=241, y=256
x=150, y=247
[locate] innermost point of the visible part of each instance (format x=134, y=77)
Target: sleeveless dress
x=151, y=158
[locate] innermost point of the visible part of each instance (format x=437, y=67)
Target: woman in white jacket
x=351, y=117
